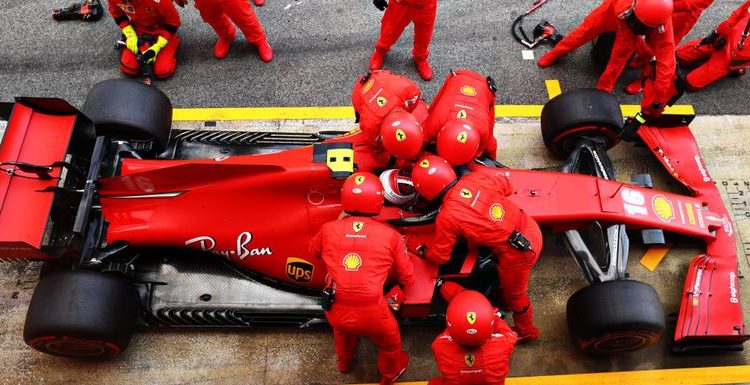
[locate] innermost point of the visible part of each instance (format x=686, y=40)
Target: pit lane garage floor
x=294, y=356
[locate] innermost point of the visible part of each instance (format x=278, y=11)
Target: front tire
x=81, y=314
x=615, y=316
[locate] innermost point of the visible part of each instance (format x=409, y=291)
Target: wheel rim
x=622, y=341
x=568, y=139
x=73, y=347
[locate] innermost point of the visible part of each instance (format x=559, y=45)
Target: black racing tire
x=130, y=110
x=81, y=314
x=601, y=49
x=615, y=317
x=580, y=112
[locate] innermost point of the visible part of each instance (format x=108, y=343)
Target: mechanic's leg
x=693, y=53
x=166, y=60
x=129, y=63
x=394, y=21
x=212, y=14
x=712, y=70
x=592, y=26
x=345, y=345
x=424, y=26
x=391, y=359
x=242, y=14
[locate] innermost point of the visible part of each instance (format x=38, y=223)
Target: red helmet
x=653, y=13
x=458, y=142
x=397, y=187
x=401, y=134
x=432, y=175
x=470, y=318
x=362, y=194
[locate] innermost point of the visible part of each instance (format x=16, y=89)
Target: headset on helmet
x=397, y=187
x=362, y=194
x=402, y=134
x=432, y=176
x=470, y=318
x=458, y=142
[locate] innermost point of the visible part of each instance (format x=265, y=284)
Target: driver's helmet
x=432, y=176
x=401, y=134
x=362, y=194
x=470, y=318
x=397, y=187
x=458, y=142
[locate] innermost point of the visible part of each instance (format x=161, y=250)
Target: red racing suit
x=465, y=94
x=717, y=62
x=359, y=252
x=398, y=15
x=220, y=14
x=148, y=17
x=477, y=209
x=376, y=96
x=483, y=365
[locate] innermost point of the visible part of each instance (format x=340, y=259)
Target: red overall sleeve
x=171, y=18
x=625, y=44
x=439, y=251
x=404, y=267
x=316, y=245
x=121, y=19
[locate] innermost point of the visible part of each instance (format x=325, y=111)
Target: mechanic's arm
x=404, y=267
x=123, y=21
x=623, y=48
x=501, y=327
x=662, y=42
x=439, y=251
x=315, y=249
x=725, y=28
x=170, y=18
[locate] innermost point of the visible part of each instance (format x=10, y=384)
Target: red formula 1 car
x=141, y=224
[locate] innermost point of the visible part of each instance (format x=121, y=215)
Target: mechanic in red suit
x=143, y=19
x=476, y=208
x=222, y=15
x=359, y=252
x=725, y=52
x=464, y=105
x=631, y=20
x=375, y=95
x=398, y=14
x=476, y=346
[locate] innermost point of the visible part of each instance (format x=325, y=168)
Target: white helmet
x=397, y=187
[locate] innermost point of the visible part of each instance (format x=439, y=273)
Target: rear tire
x=130, y=110
x=81, y=314
x=615, y=316
x=580, y=112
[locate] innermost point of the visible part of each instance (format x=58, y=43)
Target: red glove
x=724, y=29
x=414, y=245
x=652, y=111
x=395, y=297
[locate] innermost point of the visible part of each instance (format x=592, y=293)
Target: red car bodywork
x=259, y=211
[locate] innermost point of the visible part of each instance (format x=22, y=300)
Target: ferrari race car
x=139, y=224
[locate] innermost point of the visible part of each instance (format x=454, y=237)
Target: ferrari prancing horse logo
x=381, y=101
x=469, y=359
x=462, y=136
x=359, y=179
x=471, y=317
x=465, y=193
x=357, y=226
x=400, y=135
x=424, y=163
x=461, y=114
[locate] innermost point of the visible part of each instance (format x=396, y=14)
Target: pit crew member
x=476, y=208
x=398, y=14
x=476, y=346
x=149, y=28
x=725, y=52
x=223, y=15
x=359, y=252
x=631, y=20
x=461, y=118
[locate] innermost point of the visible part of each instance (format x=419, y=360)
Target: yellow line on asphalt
x=688, y=376
x=553, y=88
x=300, y=113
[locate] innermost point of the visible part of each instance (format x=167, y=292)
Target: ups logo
x=299, y=270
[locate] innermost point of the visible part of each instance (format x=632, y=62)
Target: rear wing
x=44, y=156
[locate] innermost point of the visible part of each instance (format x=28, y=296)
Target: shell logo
x=469, y=91
x=357, y=226
x=381, y=101
x=663, y=208
x=400, y=135
x=497, y=212
x=462, y=136
x=424, y=163
x=471, y=317
x=359, y=179
x=465, y=193
x=469, y=359
x=352, y=262
x=368, y=85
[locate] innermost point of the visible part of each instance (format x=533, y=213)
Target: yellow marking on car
x=553, y=87
x=687, y=376
x=653, y=257
x=341, y=112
